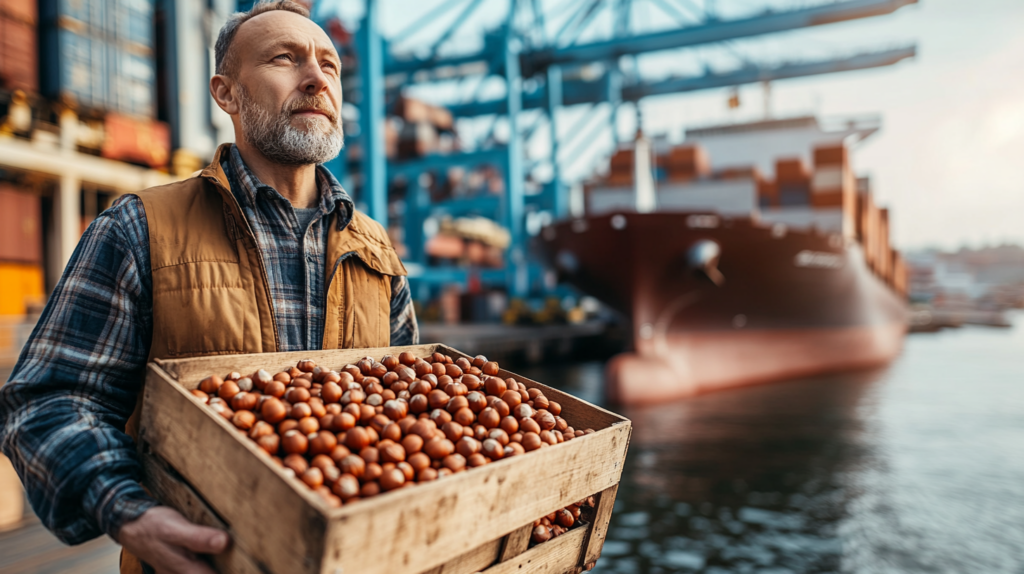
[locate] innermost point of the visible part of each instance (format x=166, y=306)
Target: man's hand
x=166, y=541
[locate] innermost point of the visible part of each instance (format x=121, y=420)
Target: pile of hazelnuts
x=558, y=522
x=372, y=426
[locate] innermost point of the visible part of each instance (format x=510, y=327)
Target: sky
x=948, y=158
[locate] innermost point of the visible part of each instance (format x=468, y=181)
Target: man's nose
x=315, y=81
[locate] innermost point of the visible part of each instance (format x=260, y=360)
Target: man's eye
x=286, y=56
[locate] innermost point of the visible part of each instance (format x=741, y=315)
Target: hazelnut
x=407, y=358
x=342, y=422
x=407, y=470
x=296, y=463
x=490, y=368
x=564, y=518
x=489, y=418
x=426, y=475
x=454, y=462
x=373, y=472
x=294, y=442
x=476, y=460
x=210, y=385
x=438, y=448
x=369, y=489
x=356, y=439
x=392, y=453
x=228, y=390
x=499, y=435
x=353, y=465
x=243, y=419
x=412, y=443
x=467, y=446
x=476, y=401
x=300, y=411
x=529, y=426
x=323, y=443
x=457, y=402
x=202, y=396
x=346, y=487
x=531, y=441
x=331, y=392
x=493, y=449
x=275, y=389
x=270, y=443
x=512, y=398
x=313, y=477
x=370, y=454
x=419, y=461
x=440, y=416
x=308, y=425
x=472, y=382
x=495, y=386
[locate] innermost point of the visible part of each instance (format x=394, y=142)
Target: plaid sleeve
x=404, y=330
x=63, y=411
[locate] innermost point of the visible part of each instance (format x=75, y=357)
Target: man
x=262, y=251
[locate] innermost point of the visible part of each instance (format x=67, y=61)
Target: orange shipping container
x=21, y=229
x=21, y=287
x=128, y=139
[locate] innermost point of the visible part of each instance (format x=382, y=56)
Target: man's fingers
x=198, y=539
x=180, y=561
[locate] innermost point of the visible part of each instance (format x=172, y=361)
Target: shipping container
x=767, y=194
x=794, y=193
x=26, y=11
x=686, y=161
x=22, y=288
x=830, y=155
x=792, y=170
x=21, y=230
x=146, y=142
x=19, y=63
x=100, y=54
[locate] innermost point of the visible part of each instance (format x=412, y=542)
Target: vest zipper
x=263, y=266
x=330, y=283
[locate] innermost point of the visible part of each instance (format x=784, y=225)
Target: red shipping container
x=19, y=57
x=22, y=10
x=21, y=226
x=138, y=141
x=791, y=171
x=830, y=155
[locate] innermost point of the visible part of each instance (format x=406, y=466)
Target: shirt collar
x=249, y=188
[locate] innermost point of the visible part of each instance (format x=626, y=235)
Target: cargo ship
x=749, y=254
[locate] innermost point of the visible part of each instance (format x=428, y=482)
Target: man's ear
x=224, y=95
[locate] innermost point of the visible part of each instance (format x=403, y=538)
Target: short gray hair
x=225, y=64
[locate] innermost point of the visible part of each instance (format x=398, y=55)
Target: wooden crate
x=479, y=520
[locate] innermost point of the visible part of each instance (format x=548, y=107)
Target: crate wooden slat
x=458, y=524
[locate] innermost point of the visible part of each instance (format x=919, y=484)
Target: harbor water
x=918, y=467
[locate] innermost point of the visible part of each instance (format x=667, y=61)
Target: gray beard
x=282, y=143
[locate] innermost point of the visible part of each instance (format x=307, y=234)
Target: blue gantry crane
x=547, y=63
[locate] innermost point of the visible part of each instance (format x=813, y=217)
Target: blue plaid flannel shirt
x=63, y=411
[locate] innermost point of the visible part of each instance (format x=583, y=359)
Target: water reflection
x=914, y=468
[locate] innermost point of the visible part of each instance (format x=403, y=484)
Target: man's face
x=289, y=89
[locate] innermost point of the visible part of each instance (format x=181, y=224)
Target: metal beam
x=371, y=110
x=709, y=32
x=582, y=91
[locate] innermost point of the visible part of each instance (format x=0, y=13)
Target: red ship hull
x=789, y=303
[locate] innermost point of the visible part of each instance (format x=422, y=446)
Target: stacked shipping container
x=794, y=182
x=19, y=68
x=21, y=251
x=100, y=53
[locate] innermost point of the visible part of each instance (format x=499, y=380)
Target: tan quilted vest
x=210, y=289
